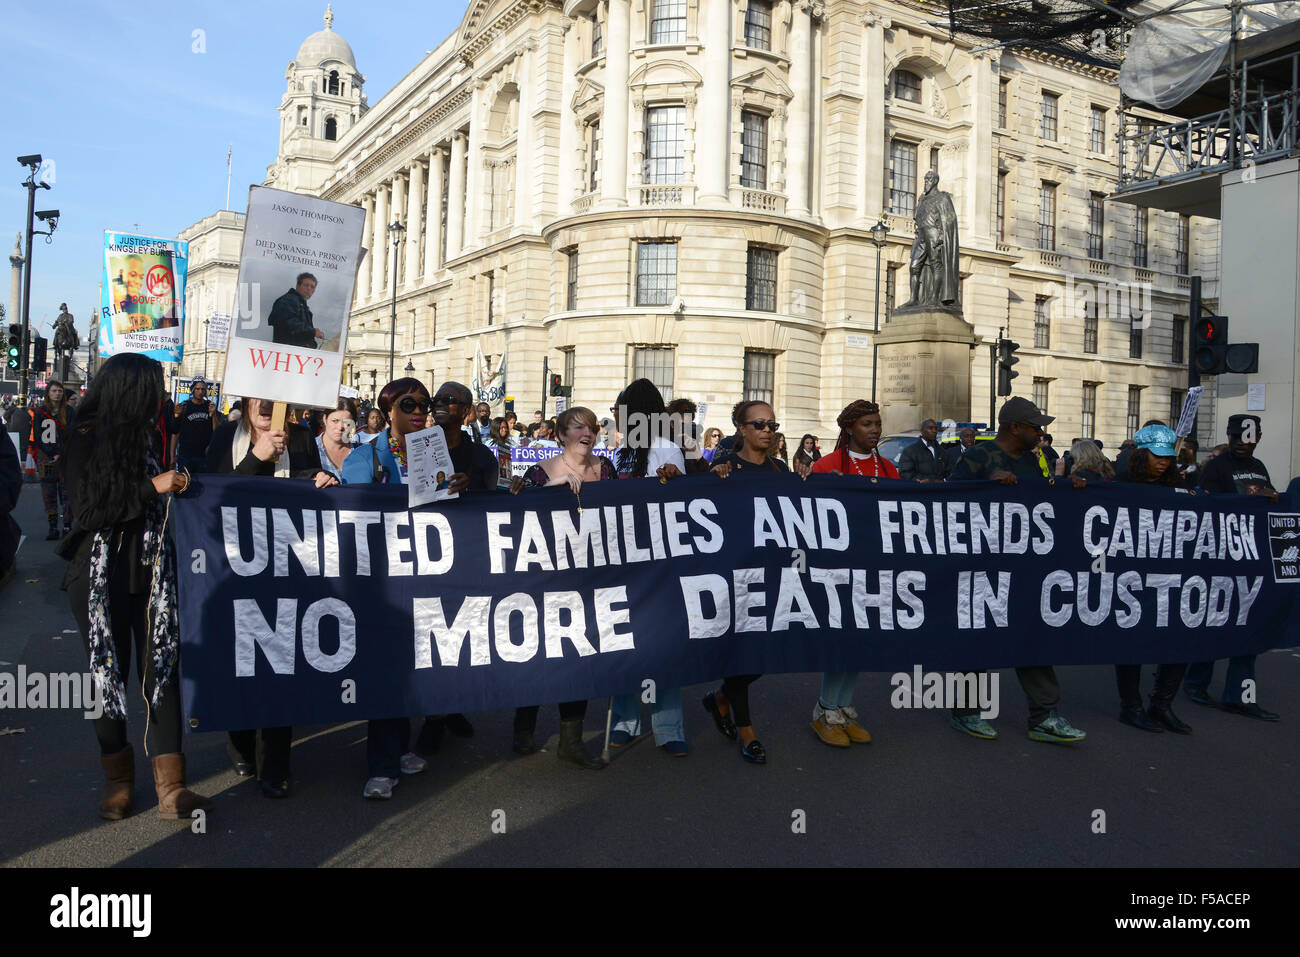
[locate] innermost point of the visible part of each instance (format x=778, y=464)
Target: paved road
x=920, y=794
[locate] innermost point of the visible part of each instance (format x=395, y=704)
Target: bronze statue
x=66, y=339
x=936, y=282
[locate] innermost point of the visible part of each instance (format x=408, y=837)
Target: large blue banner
x=301, y=605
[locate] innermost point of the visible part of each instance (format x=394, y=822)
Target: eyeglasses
x=761, y=424
x=446, y=400
x=408, y=404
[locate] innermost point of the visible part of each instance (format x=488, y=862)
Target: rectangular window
x=1042, y=323
x=1176, y=399
x=571, y=286
x=1047, y=216
x=1040, y=394
x=1096, y=225
x=1051, y=110
x=753, y=150
x=1004, y=87
x=891, y=291
x=1183, y=249
x=1134, y=410
x=1088, y=427
x=665, y=138
x=491, y=296
x=1097, y=130
x=442, y=227
x=760, y=377
x=758, y=25
x=655, y=364
x=656, y=273
x=597, y=38
x=907, y=86
x=1090, y=327
x=593, y=156
x=902, y=178
x=934, y=159
x=569, y=363
x=1140, y=223
x=1002, y=207
x=760, y=279
x=668, y=21
x=1179, y=349
x=1135, y=336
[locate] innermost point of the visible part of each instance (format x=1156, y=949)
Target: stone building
x=684, y=189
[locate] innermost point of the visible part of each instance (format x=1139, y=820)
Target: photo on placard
x=142, y=298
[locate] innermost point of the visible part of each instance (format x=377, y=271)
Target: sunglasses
x=409, y=405
x=761, y=424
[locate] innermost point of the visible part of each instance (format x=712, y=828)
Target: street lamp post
x=395, y=229
x=51, y=218
x=879, y=236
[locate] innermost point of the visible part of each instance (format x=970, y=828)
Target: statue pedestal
x=924, y=368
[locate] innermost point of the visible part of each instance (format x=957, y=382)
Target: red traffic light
x=1209, y=331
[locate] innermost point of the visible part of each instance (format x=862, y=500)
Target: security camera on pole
x=51, y=218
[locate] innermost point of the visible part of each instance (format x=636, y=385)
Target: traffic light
x=557, y=388
x=1212, y=354
x=38, y=355
x=14, y=348
x=1006, y=359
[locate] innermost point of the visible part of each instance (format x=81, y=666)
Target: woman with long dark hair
x=1152, y=461
x=252, y=446
x=49, y=429
x=650, y=453
x=807, y=453
x=756, y=431
x=121, y=578
x=406, y=404
x=576, y=464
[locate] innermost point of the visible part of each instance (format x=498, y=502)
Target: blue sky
x=138, y=124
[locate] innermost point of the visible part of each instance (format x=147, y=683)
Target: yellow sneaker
x=855, y=732
x=829, y=726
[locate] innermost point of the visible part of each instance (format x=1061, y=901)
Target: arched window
x=907, y=86
x=331, y=129
x=333, y=87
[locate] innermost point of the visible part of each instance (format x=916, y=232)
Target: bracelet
x=185, y=474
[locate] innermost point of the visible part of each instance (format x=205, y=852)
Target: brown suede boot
x=175, y=801
x=119, y=780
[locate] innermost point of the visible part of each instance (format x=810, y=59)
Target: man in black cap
x=1009, y=459
x=1235, y=471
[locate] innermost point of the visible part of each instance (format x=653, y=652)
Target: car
x=891, y=446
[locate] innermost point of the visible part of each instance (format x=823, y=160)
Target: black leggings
x=129, y=624
x=526, y=718
x=736, y=690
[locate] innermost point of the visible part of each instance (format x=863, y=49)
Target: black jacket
x=124, y=518
x=304, y=457
x=11, y=485
x=917, y=463
x=291, y=322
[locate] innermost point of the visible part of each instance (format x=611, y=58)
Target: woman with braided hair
x=835, y=720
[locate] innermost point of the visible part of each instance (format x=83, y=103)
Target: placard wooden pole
x=278, y=415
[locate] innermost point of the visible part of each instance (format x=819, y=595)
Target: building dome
x=325, y=45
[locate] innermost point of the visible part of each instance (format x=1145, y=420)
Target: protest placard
x=297, y=249
x=142, y=296
x=218, y=331
x=428, y=467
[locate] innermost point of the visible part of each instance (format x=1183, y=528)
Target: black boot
x=1138, y=719
x=525, y=725
x=572, y=749
x=54, y=531
x=1162, y=698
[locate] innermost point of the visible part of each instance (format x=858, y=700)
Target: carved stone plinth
x=924, y=369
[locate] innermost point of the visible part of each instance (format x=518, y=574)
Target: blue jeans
x=837, y=689
x=665, y=715
x=1240, y=670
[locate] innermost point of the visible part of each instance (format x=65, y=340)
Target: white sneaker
x=412, y=763
x=379, y=788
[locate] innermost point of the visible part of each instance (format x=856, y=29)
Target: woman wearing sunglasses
x=406, y=404
x=756, y=432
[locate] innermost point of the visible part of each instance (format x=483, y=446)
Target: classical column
x=398, y=200
x=713, y=119
x=379, y=245
x=474, y=170
x=368, y=240
x=568, y=180
x=872, y=199
x=799, y=126
x=456, y=197
x=525, y=163
x=433, y=224
x=979, y=198
x=613, y=188
x=414, y=224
